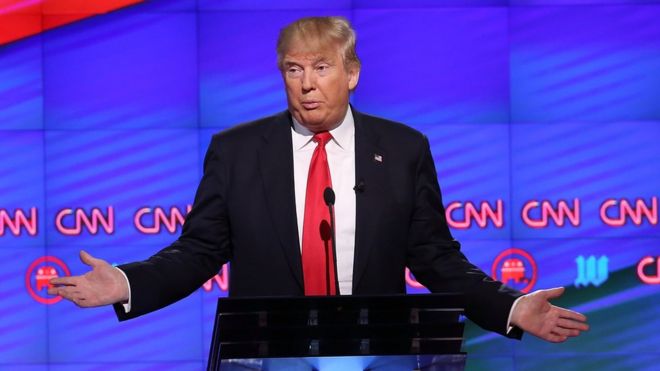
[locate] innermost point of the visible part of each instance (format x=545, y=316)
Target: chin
x=313, y=123
x=315, y=127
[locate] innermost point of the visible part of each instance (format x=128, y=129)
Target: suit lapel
x=276, y=166
x=370, y=171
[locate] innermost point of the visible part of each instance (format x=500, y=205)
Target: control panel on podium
x=415, y=332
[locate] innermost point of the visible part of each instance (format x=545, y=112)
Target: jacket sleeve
x=434, y=257
x=197, y=255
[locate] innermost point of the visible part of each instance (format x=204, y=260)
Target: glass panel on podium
x=422, y=332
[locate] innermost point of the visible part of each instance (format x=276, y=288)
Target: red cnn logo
x=627, y=212
x=546, y=211
x=71, y=222
x=19, y=222
x=411, y=281
x=221, y=280
x=643, y=274
x=38, y=275
x=480, y=215
x=157, y=218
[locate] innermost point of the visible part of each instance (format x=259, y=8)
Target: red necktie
x=317, y=255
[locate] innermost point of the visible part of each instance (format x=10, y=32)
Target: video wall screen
x=543, y=119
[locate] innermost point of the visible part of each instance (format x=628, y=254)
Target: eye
x=293, y=71
x=323, y=69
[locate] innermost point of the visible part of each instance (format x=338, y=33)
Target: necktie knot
x=322, y=138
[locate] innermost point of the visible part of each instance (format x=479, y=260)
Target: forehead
x=311, y=51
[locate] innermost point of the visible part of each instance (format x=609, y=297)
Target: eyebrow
x=317, y=60
x=290, y=63
x=321, y=59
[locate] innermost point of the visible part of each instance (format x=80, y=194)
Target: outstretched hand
x=103, y=285
x=535, y=314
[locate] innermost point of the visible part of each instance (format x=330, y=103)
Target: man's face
x=317, y=87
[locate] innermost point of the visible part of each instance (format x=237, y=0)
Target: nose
x=308, y=82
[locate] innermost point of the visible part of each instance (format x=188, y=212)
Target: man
x=260, y=204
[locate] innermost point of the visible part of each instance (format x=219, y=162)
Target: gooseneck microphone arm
x=329, y=198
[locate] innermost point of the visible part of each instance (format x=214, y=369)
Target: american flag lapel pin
x=378, y=158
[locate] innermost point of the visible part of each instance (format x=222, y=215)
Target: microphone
x=359, y=187
x=329, y=198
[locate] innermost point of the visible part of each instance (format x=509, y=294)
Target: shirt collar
x=342, y=135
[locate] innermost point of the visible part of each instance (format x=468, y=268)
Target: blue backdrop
x=543, y=117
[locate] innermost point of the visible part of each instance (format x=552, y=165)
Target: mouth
x=310, y=105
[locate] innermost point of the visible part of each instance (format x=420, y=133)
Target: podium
x=415, y=332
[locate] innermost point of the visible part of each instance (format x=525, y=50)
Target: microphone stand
x=329, y=198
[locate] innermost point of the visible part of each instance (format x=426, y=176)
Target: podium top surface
x=452, y=302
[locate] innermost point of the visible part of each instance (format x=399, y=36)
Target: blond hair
x=317, y=34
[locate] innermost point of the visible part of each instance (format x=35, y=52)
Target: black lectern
x=370, y=332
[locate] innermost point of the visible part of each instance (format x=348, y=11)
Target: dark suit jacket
x=244, y=212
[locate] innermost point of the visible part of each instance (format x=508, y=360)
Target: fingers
x=572, y=315
x=565, y=328
x=88, y=259
x=554, y=338
x=564, y=332
x=572, y=325
x=65, y=281
x=67, y=292
x=70, y=293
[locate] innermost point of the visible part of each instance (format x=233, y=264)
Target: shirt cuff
x=508, y=321
x=127, y=305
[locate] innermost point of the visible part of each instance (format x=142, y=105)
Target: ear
x=353, y=76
